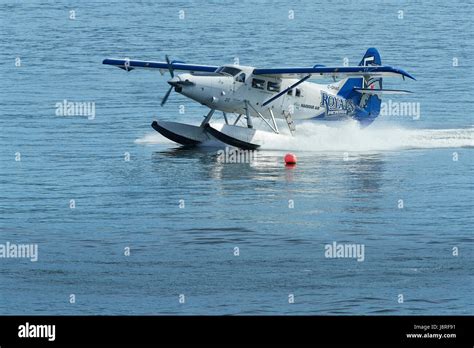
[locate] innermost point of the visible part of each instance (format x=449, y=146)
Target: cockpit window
x=240, y=78
x=228, y=70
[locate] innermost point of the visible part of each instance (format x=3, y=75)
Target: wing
x=129, y=64
x=335, y=72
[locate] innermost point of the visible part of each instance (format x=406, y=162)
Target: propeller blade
x=165, y=98
x=170, y=66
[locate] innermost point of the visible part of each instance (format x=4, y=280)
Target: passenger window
x=298, y=92
x=273, y=86
x=240, y=78
x=259, y=84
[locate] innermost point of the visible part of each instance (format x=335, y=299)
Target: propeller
x=170, y=69
x=170, y=66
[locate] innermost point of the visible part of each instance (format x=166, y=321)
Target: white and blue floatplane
x=276, y=93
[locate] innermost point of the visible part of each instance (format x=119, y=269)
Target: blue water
x=190, y=251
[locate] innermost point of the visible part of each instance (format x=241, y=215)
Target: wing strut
x=274, y=127
x=286, y=90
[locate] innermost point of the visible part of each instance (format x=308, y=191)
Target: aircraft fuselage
x=230, y=89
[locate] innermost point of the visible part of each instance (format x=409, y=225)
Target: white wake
x=350, y=137
x=312, y=136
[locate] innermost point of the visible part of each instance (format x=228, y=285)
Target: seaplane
x=268, y=94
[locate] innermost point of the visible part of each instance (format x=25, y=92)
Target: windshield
x=228, y=70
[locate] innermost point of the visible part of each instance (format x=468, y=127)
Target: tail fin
x=371, y=57
x=364, y=92
x=369, y=104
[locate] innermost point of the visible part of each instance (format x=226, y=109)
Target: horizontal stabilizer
x=381, y=91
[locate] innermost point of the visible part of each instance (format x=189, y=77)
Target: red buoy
x=290, y=159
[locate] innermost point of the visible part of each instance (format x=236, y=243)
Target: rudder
x=369, y=105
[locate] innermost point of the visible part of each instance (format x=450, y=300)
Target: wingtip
x=404, y=73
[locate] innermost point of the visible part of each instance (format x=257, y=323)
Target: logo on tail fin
x=371, y=57
x=368, y=60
